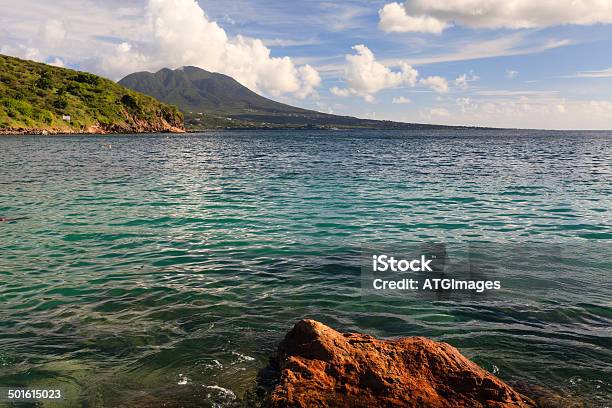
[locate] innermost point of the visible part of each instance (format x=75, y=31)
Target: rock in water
x=316, y=366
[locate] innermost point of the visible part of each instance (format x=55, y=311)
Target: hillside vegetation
x=38, y=98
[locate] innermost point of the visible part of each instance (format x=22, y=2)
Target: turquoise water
x=170, y=266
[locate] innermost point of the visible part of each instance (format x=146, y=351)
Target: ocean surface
x=168, y=267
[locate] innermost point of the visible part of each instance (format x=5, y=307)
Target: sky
x=511, y=63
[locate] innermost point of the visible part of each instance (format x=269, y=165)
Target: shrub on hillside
x=86, y=78
x=129, y=101
x=16, y=107
x=45, y=116
x=60, y=102
x=44, y=80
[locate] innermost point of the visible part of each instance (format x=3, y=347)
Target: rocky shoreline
x=316, y=366
x=95, y=130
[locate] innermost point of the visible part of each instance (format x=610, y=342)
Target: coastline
x=94, y=130
x=175, y=130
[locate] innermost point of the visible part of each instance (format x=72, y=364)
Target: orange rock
x=316, y=366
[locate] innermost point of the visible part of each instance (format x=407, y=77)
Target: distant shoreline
x=42, y=132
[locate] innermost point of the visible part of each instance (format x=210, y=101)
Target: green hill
x=212, y=100
x=38, y=98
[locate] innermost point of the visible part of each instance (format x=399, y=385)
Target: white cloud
x=561, y=107
x=511, y=74
x=433, y=16
x=279, y=42
x=507, y=45
x=337, y=16
x=52, y=33
x=533, y=111
x=518, y=93
x=438, y=112
x=401, y=100
x=463, y=81
x=393, y=17
x=464, y=103
x=341, y=92
x=366, y=76
x=602, y=73
x=436, y=83
x=310, y=80
x=600, y=107
x=22, y=51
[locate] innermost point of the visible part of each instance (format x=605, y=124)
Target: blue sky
x=515, y=63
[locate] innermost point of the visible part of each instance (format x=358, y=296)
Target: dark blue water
x=159, y=262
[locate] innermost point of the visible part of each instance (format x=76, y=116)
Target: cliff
x=39, y=98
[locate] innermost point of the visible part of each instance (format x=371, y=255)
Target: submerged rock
x=316, y=366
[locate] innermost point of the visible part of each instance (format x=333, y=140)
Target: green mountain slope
x=38, y=98
x=212, y=100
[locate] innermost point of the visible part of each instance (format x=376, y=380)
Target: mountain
x=39, y=98
x=212, y=100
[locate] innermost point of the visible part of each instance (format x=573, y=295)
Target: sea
x=142, y=269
